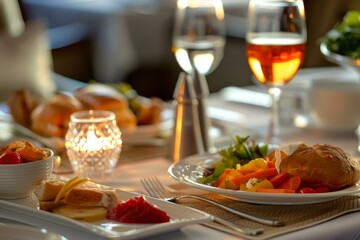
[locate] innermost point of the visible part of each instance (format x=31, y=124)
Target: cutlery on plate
x=236, y=228
x=155, y=188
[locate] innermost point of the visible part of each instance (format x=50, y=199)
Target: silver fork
x=155, y=188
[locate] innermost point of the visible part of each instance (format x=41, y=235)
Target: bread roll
x=51, y=118
x=21, y=104
x=322, y=165
x=149, y=110
x=102, y=97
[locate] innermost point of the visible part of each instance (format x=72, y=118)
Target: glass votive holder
x=93, y=143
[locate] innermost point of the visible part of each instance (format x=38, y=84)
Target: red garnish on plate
x=322, y=190
x=11, y=158
x=307, y=190
x=279, y=179
x=292, y=183
x=137, y=210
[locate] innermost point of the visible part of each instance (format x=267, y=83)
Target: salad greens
x=344, y=38
x=132, y=96
x=129, y=93
x=241, y=153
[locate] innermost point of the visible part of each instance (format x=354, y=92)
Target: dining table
x=233, y=116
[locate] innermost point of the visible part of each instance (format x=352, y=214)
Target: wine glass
x=198, y=44
x=276, y=38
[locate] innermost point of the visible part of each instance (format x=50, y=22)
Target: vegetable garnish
x=344, y=37
x=242, y=152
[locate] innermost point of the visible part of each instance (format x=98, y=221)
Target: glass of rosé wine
x=276, y=38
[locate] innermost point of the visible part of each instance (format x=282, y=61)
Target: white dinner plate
x=25, y=211
x=131, y=136
x=23, y=232
x=191, y=168
x=153, y=134
x=145, y=132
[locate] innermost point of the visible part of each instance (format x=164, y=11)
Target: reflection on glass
x=276, y=38
x=198, y=44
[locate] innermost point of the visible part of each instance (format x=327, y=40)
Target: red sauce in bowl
x=137, y=210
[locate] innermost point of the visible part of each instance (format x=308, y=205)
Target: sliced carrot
x=222, y=177
x=271, y=164
x=245, y=171
x=261, y=173
x=276, y=190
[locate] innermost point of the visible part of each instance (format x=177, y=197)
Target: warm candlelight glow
x=93, y=143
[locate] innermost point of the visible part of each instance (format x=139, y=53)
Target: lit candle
x=93, y=143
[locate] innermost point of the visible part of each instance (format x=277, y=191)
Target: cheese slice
x=80, y=213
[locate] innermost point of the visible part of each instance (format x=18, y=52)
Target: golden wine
x=275, y=65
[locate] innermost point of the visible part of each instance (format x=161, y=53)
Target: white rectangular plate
x=26, y=211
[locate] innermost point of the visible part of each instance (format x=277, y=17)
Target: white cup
x=334, y=105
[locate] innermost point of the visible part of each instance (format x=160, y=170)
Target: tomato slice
x=11, y=158
x=279, y=179
x=307, y=190
x=322, y=189
x=292, y=183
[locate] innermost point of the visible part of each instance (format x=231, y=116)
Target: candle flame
x=93, y=143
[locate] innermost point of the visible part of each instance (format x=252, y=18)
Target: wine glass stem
x=274, y=128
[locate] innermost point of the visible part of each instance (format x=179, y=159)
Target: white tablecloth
x=127, y=175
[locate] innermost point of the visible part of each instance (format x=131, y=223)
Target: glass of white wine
x=199, y=35
x=276, y=38
x=198, y=44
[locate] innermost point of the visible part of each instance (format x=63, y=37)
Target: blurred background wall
x=149, y=32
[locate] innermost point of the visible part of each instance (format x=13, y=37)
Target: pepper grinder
x=202, y=93
x=186, y=139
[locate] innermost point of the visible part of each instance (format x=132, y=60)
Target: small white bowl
x=19, y=180
x=348, y=63
x=334, y=103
